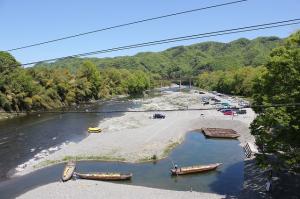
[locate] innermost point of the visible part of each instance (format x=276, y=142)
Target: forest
x=186, y=61
x=41, y=88
x=238, y=81
x=226, y=67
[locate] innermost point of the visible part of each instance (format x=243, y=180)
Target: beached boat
x=194, y=169
x=220, y=133
x=94, y=130
x=105, y=176
x=68, y=171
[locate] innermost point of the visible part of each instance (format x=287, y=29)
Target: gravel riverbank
x=93, y=189
x=134, y=137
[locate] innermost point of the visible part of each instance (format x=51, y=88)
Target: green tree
x=277, y=130
x=88, y=81
x=7, y=63
x=137, y=83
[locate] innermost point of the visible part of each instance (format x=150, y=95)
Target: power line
x=160, y=110
x=183, y=38
x=126, y=24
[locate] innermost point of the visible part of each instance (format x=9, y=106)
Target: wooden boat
x=194, y=169
x=105, y=176
x=68, y=171
x=220, y=133
x=94, y=130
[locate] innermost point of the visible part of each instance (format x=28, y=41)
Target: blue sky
x=31, y=21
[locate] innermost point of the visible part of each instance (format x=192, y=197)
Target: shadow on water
x=231, y=190
x=195, y=149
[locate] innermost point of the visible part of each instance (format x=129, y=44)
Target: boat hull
x=68, y=171
x=94, y=130
x=195, y=169
x=105, y=176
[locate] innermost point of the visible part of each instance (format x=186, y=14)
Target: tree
x=277, y=130
x=138, y=82
x=88, y=81
x=7, y=63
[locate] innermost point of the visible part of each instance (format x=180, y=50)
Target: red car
x=228, y=113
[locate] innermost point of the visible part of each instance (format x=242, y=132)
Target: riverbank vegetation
x=74, y=80
x=232, y=81
x=79, y=158
x=42, y=88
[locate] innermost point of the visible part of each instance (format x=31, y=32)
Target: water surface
x=22, y=138
x=196, y=149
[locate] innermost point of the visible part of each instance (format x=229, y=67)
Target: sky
x=32, y=21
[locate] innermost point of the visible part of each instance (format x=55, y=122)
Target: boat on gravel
x=94, y=130
x=194, y=169
x=105, y=176
x=68, y=171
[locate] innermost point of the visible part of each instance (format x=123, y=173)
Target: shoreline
x=12, y=115
x=140, y=134
x=63, y=153
x=7, y=116
x=94, y=189
x=143, y=137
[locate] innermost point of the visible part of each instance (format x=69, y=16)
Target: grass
x=165, y=153
x=152, y=158
x=77, y=158
x=170, y=147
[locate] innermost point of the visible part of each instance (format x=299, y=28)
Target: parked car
x=226, y=110
x=225, y=104
x=233, y=108
x=228, y=113
x=241, y=111
x=244, y=104
x=158, y=116
x=205, y=103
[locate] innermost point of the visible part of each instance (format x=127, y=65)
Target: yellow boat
x=94, y=130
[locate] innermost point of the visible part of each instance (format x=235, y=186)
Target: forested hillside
x=187, y=60
x=47, y=88
x=226, y=67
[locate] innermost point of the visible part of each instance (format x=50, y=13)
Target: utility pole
x=190, y=83
x=180, y=82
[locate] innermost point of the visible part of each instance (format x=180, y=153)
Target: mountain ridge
x=190, y=59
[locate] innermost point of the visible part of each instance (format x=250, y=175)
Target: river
x=22, y=138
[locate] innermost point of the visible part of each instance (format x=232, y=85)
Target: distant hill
x=193, y=59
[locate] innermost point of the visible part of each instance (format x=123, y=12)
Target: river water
x=22, y=138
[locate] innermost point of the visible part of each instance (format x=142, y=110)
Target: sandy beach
x=134, y=137
x=94, y=189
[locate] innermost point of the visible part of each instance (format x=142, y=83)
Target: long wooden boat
x=94, y=130
x=194, y=169
x=105, y=176
x=68, y=171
